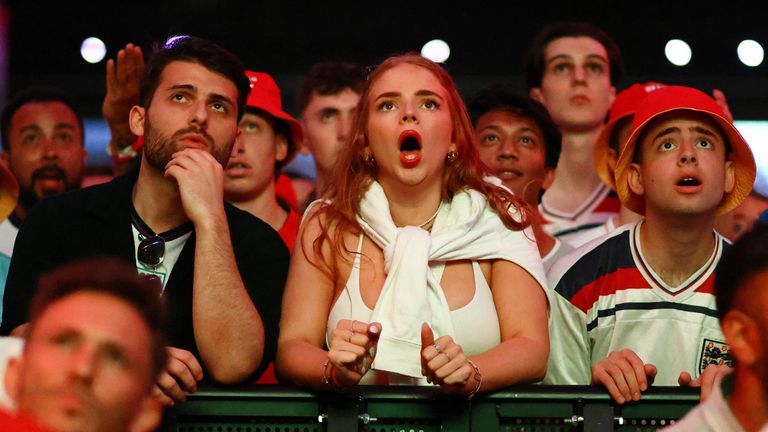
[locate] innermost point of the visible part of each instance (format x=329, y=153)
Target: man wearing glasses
x=222, y=270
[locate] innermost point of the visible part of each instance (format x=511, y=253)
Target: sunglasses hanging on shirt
x=151, y=250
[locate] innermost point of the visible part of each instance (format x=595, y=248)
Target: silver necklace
x=431, y=218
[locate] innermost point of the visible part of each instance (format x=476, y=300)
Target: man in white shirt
x=639, y=305
x=739, y=402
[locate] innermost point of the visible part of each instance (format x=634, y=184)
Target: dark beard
x=159, y=148
x=27, y=196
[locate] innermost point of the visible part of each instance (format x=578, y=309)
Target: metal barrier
x=259, y=408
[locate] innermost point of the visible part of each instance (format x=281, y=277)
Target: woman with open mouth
x=417, y=270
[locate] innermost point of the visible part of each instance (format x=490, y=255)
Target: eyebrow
x=592, y=57
x=328, y=111
x=189, y=87
x=212, y=96
x=221, y=98
x=664, y=132
x=703, y=131
x=428, y=93
x=418, y=93
x=675, y=129
x=102, y=344
x=57, y=127
x=32, y=127
x=497, y=127
x=493, y=127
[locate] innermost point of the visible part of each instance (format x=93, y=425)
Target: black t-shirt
x=95, y=221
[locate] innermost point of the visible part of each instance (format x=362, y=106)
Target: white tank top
x=476, y=324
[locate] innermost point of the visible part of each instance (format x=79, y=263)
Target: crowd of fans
x=573, y=235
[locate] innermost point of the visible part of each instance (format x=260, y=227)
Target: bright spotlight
x=750, y=53
x=436, y=50
x=93, y=50
x=678, y=52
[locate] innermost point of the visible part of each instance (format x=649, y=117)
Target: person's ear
x=11, y=378
x=730, y=176
x=743, y=336
x=281, y=147
x=535, y=94
x=549, y=177
x=635, y=179
x=148, y=417
x=611, y=95
x=136, y=120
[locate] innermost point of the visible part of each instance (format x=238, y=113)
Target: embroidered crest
x=714, y=352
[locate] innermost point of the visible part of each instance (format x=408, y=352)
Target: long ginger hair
x=354, y=174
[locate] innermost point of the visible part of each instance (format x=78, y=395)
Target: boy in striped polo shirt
x=638, y=306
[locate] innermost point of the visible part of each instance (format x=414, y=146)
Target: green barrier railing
x=258, y=408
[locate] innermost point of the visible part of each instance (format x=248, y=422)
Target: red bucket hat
x=9, y=192
x=674, y=98
x=265, y=95
x=623, y=106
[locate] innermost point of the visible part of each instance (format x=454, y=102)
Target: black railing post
x=342, y=414
x=598, y=416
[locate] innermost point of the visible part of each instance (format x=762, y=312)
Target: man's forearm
x=228, y=328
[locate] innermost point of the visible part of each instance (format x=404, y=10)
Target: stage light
x=93, y=50
x=750, y=53
x=436, y=50
x=678, y=52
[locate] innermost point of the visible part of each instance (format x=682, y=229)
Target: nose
x=687, y=154
x=238, y=147
x=344, y=127
x=200, y=114
x=409, y=115
x=579, y=74
x=83, y=363
x=508, y=150
x=50, y=150
x=687, y=158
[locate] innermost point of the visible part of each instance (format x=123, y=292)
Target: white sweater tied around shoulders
x=466, y=228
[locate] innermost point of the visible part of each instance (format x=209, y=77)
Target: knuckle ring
x=437, y=348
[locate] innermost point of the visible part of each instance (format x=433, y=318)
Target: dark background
x=488, y=41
